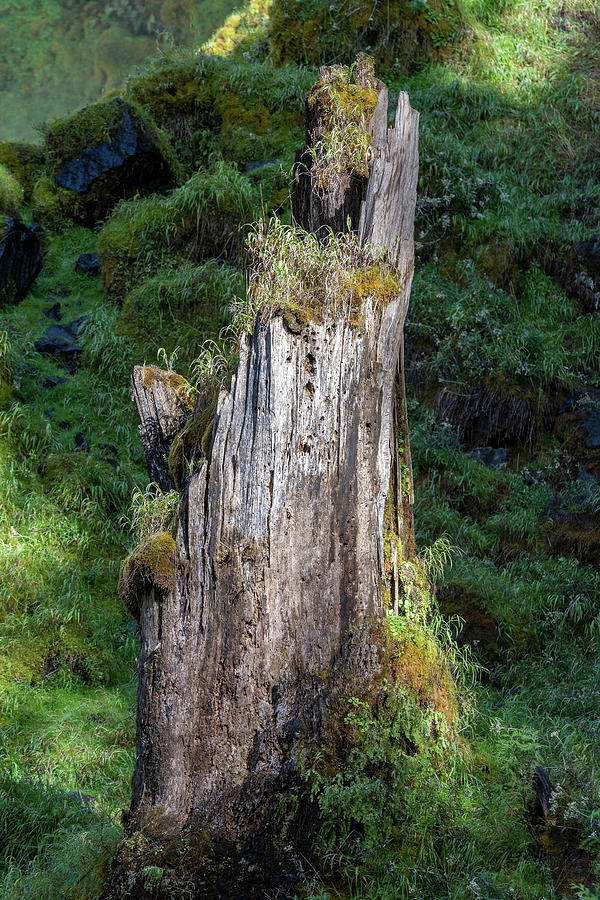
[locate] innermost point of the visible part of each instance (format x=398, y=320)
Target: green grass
x=66, y=688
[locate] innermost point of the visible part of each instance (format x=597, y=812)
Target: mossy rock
x=244, y=33
x=104, y=153
x=400, y=34
x=151, y=564
x=202, y=219
x=24, y=161
x=246, y=111
x=46, y=204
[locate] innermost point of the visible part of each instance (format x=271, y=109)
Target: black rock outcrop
x=20, y=259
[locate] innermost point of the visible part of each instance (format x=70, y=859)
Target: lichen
x=151, y=563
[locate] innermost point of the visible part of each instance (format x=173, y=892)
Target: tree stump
x=281, y=573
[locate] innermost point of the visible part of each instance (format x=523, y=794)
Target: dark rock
x=53, y=312
x=572, y=525
x=105, y=172
x=577, y=425
x=81, y=442
x=51, y=381
x=48, y=412
x=494, y=457
x=253, y=166
x=582, y=272
x=20, y=259
x=50, y=665
x=58, y=340
x=88, y=263
x=109, y=449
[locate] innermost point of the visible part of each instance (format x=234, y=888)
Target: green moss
x=203, y=218
x=194, y=439
x=151, y=562
x=400, y=34
x=11, y=192
x=24, y=162
x=244, y=110
x=344, y=110
x=179, y=308
x=298, y=276
x=244, y=32
x=47, y=207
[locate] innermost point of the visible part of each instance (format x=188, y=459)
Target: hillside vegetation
x=498, y=666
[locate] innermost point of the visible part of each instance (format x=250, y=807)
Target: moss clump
x=344, y=109
x=175, y=382
x=296, y=275
x=203, y=218
x=400, y=34
x=24, y=162
x=245, y=110
x=11, y=192
x=152, y=563
x=47, y=207
x=244, y=32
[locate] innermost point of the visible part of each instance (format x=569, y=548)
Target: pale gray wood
x=163, y=406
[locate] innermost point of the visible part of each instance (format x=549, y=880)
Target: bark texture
x=163, y=404
x=280, y=570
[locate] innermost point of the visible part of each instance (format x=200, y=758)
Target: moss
x=47, y=207
x=176, y=383
x=24, y=162
x=344, y=110
x=194, y=439
x=244, y=32
x=204, y=218
x=11, y=192
x=246, y=111
x=397, y=33
x=151, y=563
x=297, y=276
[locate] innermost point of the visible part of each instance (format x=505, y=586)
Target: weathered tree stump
x=281, y=577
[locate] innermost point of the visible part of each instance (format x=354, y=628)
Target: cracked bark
x=280, y=572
